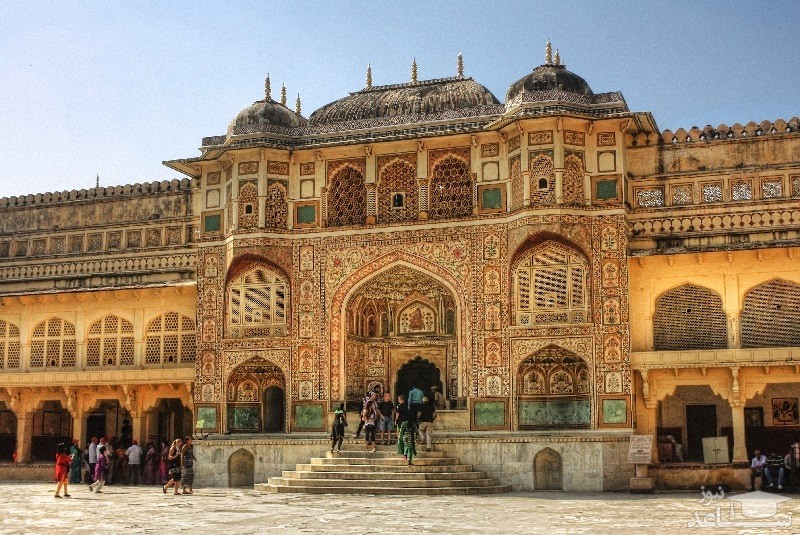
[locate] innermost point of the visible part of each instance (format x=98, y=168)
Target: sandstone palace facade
x=563, y=271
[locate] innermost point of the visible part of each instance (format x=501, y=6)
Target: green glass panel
x=606, y=189
x=206, y=417
x=492, y=199
x=308, y=417
x=615, y=411
x=306, y=214
x=489, y=413
x=213, y=223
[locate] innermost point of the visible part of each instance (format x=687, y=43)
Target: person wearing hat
x=438, y=398
x=426, y=414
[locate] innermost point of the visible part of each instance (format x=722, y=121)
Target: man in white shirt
x=134, y=454
x=92, y=460
x=757, y=467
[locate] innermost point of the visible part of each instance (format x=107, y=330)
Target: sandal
x=164, y=488
x=67, y=495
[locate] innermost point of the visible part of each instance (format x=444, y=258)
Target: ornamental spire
x=548, y=53
x=283, y=94
x=267, y=90
x=97, y=181
x=297, y=107
x=414, y=71
x=369, y=76
x=460, y=68
x=557, y=58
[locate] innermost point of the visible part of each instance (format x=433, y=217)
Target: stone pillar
x=24, y=436
x=139, y=429
x=739, y=441
x=79, y=427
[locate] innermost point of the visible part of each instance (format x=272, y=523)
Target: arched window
x=9, y=345
x=257, y=304
x=689, y=317
x=553, y=389
x=53, y=344
x=110, y=342
x=450, y=189
x=573, y=181
x=771, y=315
x=551, y=285
x=517, y=189
x=347, y=198
x=276, y=210
x=397, y=189
x=170, y=339
x=543, y=180
x=248, y=206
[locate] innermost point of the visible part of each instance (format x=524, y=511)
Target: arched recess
x=256, y=397
x=53, y=344
x=542, y=181
x=10, y=349
x=397, y=188
x=573, y=187
x=689, y=317
x=257, y=302
x=420, y=373
x=241, y=469
x=548, y=470
x=553, y=390
x=450, y=188
x=109, y=342
x=347, y=198
x=248, y=205
x=276, y=210
x=452, y=320
x=170, y=339
x=550, y=285
x=771, y=315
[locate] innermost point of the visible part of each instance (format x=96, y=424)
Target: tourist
x=757, y=468
x=63, y=461
x=92, y=460
x=126, y=433
x=774, y=470
x=134, y=457
x=426, y=416
x=370, y=416
x=439, y=402
x=415, y=396
x=401, y=413
x=386, y=421
x=174, y=460
x=77, y=462
x=163, y=463
x=150, y=473
x=100, y=469
x=187, y=465
x=794, y=459
x=405, y=440
x=337, y=430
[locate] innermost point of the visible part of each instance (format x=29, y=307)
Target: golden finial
x=369, y=76
x=460, y=69
x=548, y=53
x=267, y=90
x=558, y=58
x=297, y=107
x=414, y=71
x=283, y=94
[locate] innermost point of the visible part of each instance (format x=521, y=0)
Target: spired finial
x=369, y=76
x=283, y=94
x=97, y=181
x=557, y=58
x=414, y=71
x=460, y=68
x=548, y=53
x=267, y=89
x=297, y=107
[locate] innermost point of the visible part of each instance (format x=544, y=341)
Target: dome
x=549, y=77
x=424, y=97
x=263, y=114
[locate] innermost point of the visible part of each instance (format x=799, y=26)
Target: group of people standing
x=108, y=462
x=380, y=416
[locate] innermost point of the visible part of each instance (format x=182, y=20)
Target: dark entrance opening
x=95, y=426
x=8, y=435
x=418, y=372
x=274, y=409
x=701, y=422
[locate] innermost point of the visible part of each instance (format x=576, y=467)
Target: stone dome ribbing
x=262, y=114
x=548, y=78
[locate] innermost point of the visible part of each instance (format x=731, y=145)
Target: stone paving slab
x=31, y=508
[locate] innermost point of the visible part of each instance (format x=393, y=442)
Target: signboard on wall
x=641, y=449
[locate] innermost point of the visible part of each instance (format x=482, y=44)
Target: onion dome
x=552, y=76
x=413, y=98
x=264, y=115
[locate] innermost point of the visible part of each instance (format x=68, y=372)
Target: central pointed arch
x=337, y=312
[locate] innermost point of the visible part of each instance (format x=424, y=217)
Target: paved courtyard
x=31, y=508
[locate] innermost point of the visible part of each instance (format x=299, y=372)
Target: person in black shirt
x=425, y=417
x=386, y=410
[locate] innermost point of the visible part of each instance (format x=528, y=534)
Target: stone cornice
x=32, y=379
x=717, y=358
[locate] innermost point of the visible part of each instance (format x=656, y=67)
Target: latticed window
x=53, y=344
x=257, y=304
x=347, y=198
x=711, y=192
x=399, y=177
x=110, y=342
x=689, y=317
x=650, y=197
x=543, y=180
x=573, y=181
x=771, y=189
x=771, y=315
x=9, y=345
x=276, y=209
x=517, y=189
x=682, y=195
x=742, y=191
x=451, y=189
x=551, y=286
x=248, y=206
x=170, y=339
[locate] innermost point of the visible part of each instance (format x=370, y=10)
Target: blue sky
x=114, y=88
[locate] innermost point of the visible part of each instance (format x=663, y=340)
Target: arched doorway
x=8, y=433
x=241, y=469
x=418, y=372
x=169, y=419
x=548, y=470
x=257, y=398
x=52, y=424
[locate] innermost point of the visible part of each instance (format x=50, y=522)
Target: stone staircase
x=383, y=472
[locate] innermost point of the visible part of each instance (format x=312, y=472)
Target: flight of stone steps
x=383, y=472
